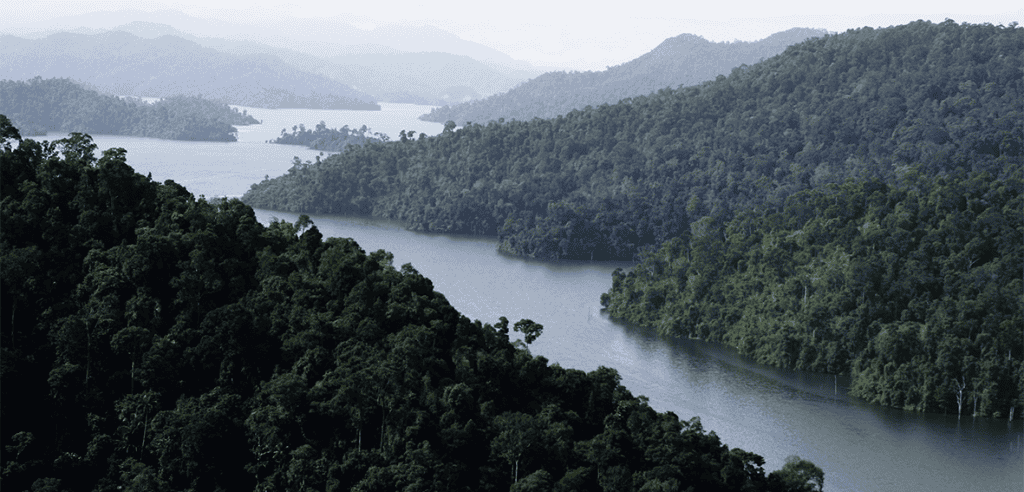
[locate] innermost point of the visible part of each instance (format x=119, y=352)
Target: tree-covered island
x=152, y=341
x=62, y=105
x=329, y=139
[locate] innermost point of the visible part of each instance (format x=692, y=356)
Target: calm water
x=772, y=412
x=228, y=168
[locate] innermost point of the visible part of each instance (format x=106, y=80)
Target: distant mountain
x=322, y=37
x=680, y=61
x=318, y=36
x=126, y=64
x=430, y=78
x=426, y=78
x=383, y=72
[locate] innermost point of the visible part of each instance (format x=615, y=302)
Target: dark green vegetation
x=328, y=139
x=152, y=341
x=61, y=105
x=915, y=290
x=612, y=181
x=125, y=64
x=680, y=61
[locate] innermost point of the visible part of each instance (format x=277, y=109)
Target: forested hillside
x=915, y=290
x=124, y=64
x=152, y=341
x=60, y=105
x=680, y=61
x=615, y=180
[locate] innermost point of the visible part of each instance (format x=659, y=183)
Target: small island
x=328, y=139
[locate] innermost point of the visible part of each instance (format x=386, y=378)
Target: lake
x=769, y=411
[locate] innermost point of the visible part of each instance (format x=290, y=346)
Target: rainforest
x=153, y=341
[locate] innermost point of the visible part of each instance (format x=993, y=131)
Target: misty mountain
x=429, y=78
x=126, y=64
x=320, y=36
x=316, y=36
x=683, y=60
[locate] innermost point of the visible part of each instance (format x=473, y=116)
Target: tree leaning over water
x=153, y=341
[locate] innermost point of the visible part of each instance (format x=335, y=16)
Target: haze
x=544, y=34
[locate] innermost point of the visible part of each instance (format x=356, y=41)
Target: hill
x=124, y=64
x=61, y=105
x=154, y=341
x=914, y=290
x=612, y=181
x=680, y=61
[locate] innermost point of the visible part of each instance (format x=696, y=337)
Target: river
x=769, y=411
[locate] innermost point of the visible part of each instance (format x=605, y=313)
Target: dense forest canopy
x=153, y=341
x=915, y=290
x=612, y=181
x=683, y=60
x=61, y=105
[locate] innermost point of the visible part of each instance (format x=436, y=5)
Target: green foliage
x=60, y=105
x=914, y=290
x=800, y=475
x=614, y=181
x=329, y=139
x=152, y=341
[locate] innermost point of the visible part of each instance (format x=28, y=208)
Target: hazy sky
x=571, y=35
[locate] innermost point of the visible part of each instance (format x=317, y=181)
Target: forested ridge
x=153, y=341
x=683, y=60
x=915, y=290
x=612, y=181
x=61, y=105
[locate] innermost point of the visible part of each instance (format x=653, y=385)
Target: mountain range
x=683, y=60
x=407, y=64
x=124, y=64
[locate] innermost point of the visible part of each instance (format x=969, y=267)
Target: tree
x=800, y=475
x=516, y=432
x=530, y=329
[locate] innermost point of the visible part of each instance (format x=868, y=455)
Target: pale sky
x=570, y=35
